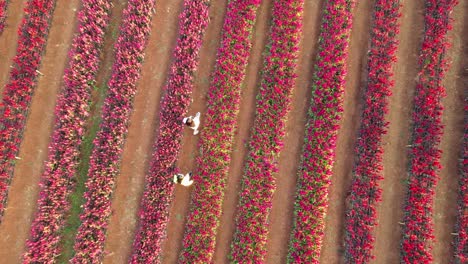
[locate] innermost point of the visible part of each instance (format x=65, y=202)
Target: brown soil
x=143, y=124
x=447, y=188
x=24, y=188
x=389, y=213
x=332, y=248
x=9, y=38
x=242, y=135
x=181, y=203
x=281, y=215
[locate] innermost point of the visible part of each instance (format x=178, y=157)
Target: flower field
x=302, y=107
x=18, y=93
x=3, y=14
x=365, y=191
x=427, y=130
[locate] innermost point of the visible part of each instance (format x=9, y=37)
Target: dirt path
x=9, y=38
x=283, y=199
x=332, y=248
x=24, y=188
x=389, y=213
x=143, y=124
x=452, y=118
x=188, y=153
x=245, y=121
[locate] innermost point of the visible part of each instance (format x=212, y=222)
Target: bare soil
x=455, y=83
x=332, y=248
x=281, y=215
x=9, y=38
x=140, y=138
x=181, y=203
x=395, y=162
x=242, y=135
x=24, y=188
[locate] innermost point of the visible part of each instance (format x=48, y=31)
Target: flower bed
x=273, y=104
x=424, y=154
x=159, y=189
x=18, y=93
x=324, y=117
x=461, y=228
x=217, y=136
x=3, y=9
x=108, y=144
x=71, y=113
x=365, y=192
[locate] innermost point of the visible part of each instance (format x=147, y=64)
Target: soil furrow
x=332, y=248
x=181, y=202
x=395, y=162
x=245, y=121
x=453, y=120
x=24, y=188
x=281, y=215
x=9, y=39
x=143, y=124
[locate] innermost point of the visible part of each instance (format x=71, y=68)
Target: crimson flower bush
x=424, y=154
x=365, y=192
x=19, y=90
x=3, y=9
x=461, y=228
x=159, y=189
x=322, y=126
x=71, y=112
x=216, y=139
x=108, y=144
x=266, y=141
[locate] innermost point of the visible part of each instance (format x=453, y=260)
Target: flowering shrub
x=217, y=135
x=17, y=94
x=158, y=194
x=321, y=131
x=3, y=8
x=108, y=144
x=273, y=103
x=365, y=192
x=424, y=153
x=461, y=228
x=71, y=112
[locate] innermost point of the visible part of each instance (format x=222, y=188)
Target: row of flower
x=71, y=113
x=108, y=144
x=217, y=137
x=365, y=193
x=3, y=10
x=159, y=189
x=461, y=240
x=322, y=126
x=266, y=141
x=18, y=93
x=424, y=151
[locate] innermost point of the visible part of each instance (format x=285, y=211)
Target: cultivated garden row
x=19, y=90
x=71, y=113
x=424, y=152
x=365, y=193
x=159, y=189
x=323, y=119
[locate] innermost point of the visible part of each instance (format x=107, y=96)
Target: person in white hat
x=193, y=122
x=182, y=179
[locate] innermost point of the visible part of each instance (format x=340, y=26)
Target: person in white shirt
x=182, y=179
x=193, y=122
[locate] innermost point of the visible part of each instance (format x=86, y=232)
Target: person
x=193, y=122
x=182, y=179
